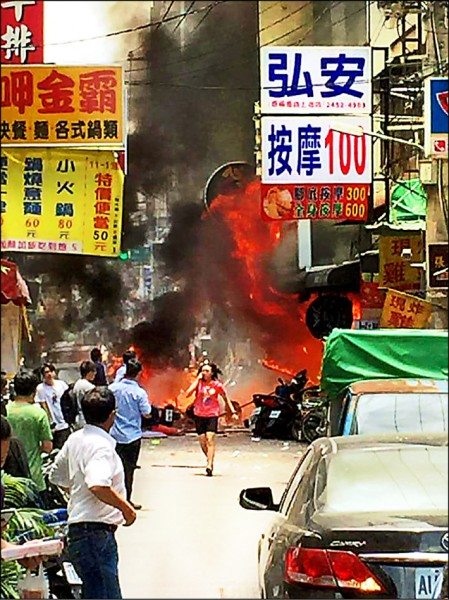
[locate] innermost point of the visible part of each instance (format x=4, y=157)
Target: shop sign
x=436, y=108
x=396, y=256
x=403, y=311
x=438, y=265
x=61, y=201
x=66, y=106
x=22, y=32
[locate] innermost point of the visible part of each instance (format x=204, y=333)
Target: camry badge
x=445, y=542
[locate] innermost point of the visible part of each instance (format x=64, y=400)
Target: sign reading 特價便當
x=49, y=105
x=311, y=171
x=315, y=80
x=61, y=201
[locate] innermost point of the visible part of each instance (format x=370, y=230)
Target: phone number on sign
x=319, y=201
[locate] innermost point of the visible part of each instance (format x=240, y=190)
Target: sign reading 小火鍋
x=402, y=311
x=315, y=80
x=56, y=105
x=22, y=32
x=311, y=171
x=61, y=201
x=396, y=255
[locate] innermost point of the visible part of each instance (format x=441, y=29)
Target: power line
x=183, y=18
x=298, y=10
x=138, y=27
x=165, y=15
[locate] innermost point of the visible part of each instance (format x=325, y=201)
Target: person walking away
x=100, y=376
x=30, y=425
x=90, y=468
x=84, y=384
x=48, y=395
x=132, y=405
x=121, y=371
x=206, y=409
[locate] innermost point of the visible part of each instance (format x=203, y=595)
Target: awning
x=13, y=286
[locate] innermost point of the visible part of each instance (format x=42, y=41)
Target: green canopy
x=408, y=202
x=353, y=355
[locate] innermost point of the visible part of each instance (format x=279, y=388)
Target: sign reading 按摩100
x=314, y=165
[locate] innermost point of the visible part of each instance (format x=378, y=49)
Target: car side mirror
x=260, y=498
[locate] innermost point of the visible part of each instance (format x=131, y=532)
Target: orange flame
x=269, y=364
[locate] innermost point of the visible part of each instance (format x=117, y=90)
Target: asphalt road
x=192, y=539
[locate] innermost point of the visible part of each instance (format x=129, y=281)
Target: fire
x=277, y=320
x=275, y=367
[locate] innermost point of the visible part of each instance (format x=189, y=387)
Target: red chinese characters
x=98, y=91
x=17, y=90
x=57, y=94
x=22, y=32
x=101, y=219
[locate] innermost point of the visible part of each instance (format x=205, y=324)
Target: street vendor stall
x=14, y=299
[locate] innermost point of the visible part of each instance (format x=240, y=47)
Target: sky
x=77, y=20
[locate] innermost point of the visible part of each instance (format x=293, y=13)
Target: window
x=295, y=484
x=402, y=413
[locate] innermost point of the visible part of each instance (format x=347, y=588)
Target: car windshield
x=407, y=479
x=402, y=413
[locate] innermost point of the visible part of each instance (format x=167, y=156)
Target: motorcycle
x=279, y=414
x=292, y=411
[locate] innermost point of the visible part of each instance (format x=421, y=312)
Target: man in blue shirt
x=121, y=371
x=132, y=405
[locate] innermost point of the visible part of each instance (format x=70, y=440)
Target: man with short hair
x=100, y=376
x=30, y=424
x=48, y=395
x=121, y=371
x=83, y=385
x=89, y=466
x=132, y=405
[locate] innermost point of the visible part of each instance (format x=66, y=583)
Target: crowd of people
x=98, y=452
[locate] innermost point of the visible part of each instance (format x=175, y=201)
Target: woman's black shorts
x=204, y=424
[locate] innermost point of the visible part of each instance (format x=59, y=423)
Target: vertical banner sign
x=395, y=271
x=61, y=201
x=402, y=311
x=22, y=32
x=436, y=109
x=65, y=106
x=309, y=169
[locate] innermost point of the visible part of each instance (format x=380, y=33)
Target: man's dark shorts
x=204, y=424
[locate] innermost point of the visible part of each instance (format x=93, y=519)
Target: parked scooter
x=279, y=414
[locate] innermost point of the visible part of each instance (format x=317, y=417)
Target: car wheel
x=309, y=428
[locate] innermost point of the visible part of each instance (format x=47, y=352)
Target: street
x=192, y=539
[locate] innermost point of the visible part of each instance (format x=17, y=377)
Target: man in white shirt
x=48, y=395
x=90, y=468
x=83, y=385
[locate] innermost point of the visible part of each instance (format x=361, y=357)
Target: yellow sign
x=66, y=201
x=396, y=253
x=402, y=311
x=69, y=106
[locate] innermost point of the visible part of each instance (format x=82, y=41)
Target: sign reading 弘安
x=63, y=201
x=315, y=80
x=69, y=106
x=402, y=311
x=311, y=171
x=436, y=111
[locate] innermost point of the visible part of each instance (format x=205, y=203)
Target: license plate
x=274, y=414
x=257, y=410
x=426, y=580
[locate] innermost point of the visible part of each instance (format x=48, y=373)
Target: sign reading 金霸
x=22, y=32
x=311, y=171
x=61, y=201
x=69, y=106
x=316, y=80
